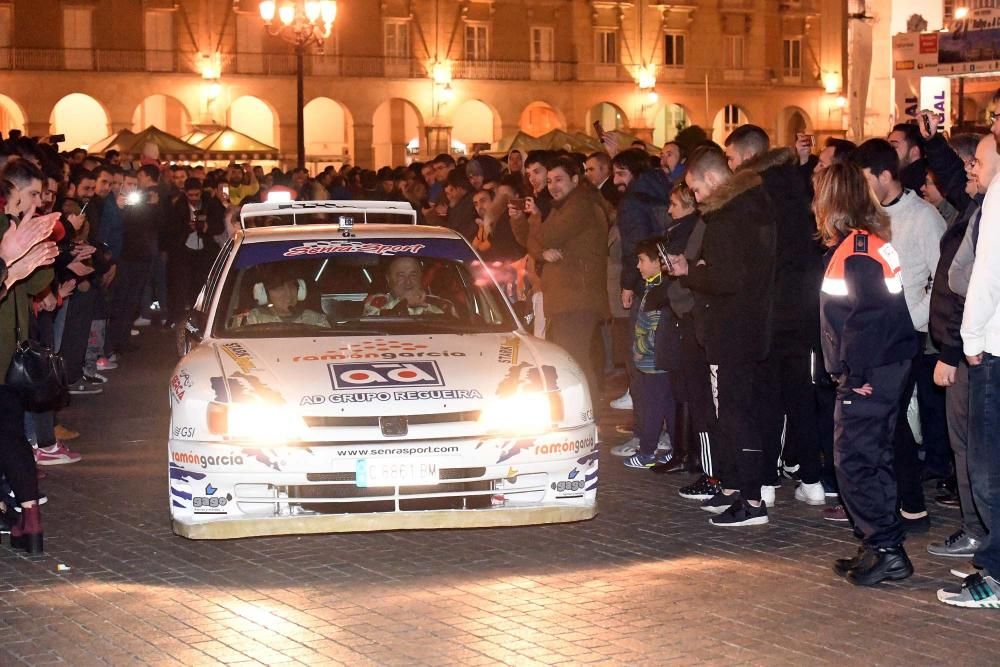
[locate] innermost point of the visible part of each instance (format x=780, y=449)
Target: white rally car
x=345, y=372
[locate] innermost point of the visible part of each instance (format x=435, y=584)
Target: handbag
x=36, y=372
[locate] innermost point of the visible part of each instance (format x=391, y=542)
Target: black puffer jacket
x=736, y=281
x=798, y=271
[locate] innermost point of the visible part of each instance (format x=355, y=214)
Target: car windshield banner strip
x=252, y=254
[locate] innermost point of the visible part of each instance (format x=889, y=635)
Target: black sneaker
x=919, y=525
x=948, y=499
x=720, y=502
x=741, y=513
x=880, y=564
x=704, y=487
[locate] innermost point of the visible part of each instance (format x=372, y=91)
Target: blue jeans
x=984, y=455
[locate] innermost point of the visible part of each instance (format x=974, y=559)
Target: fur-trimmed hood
x=741, y=181
x=776, y=157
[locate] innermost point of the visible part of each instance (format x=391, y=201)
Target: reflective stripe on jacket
x=862, y=243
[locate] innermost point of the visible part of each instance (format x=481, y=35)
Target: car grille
x=337, y=493
x=436, y=418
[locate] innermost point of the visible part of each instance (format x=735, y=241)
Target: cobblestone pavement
x=648, y=581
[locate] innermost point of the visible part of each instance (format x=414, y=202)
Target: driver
x=278, y=295
x=406, y=295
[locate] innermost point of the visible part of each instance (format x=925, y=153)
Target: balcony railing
x=344, y=66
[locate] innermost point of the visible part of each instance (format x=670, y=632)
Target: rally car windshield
x=279, y=289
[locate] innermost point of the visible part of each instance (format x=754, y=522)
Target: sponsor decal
x=368, y=248
x=512, y=448
x=183, y=431
x=587, y=415
x=388, y=396
x=385, y=375
x=509, y=349
x=179, y=384
x=336, y=355
x=397, y=450
x=268, y=458
x=573, y=473
x=570, y=485
x=527, y=378
x=178, y=474
x=190, y=458
x=240, y=355
x=211, y=504
x=511, y=475
x=565, y=447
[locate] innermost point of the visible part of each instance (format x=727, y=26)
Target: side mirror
x=192, y=332
x=524, y=313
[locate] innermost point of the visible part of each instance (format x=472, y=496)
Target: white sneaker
x=811, y=494
x=623, y=402
x=628, y=449
x=767, y=495
x=142, y=322
x=135, y=332
x=663, y=445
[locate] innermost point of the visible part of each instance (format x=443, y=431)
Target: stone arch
x=397, y=132
x=728, y=119
x=611, y=116
x=255, y=117
x=165, y=112
x=670, y=119
x=791, y=121
x=538, y=117
x=11, y=115
x=329, y=132
x=83, y=120
x=474, y=122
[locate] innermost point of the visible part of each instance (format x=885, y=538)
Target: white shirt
x=917, y=228
x=194, y=241
x=981, y=320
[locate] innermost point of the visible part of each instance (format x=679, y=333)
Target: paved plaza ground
x=648, y=582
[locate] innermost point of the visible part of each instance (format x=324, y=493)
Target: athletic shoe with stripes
x=976, y=592
x=640, y=461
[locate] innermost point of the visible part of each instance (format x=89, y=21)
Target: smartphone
x=225, y=190
x=661, y=250
x=599, y=128
x=926, y=120
x=84, y=208
x=55, y=138
x=518, y=203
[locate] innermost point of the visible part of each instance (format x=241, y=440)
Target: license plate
x=396, y=473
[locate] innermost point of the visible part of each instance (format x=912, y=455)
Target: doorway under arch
x=397, y=132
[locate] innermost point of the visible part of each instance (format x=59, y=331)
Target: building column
x=287, y=143
x=364, y=149
x=37, y=128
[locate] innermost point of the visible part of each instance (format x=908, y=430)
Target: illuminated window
x=792, y=59
x=733, y=52
x=673, y=50
x=477, y=42
x=607, y=47
x=397, y=39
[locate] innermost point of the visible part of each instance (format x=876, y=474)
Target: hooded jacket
x=638, y=220
x=798, y=271
x=735, y=277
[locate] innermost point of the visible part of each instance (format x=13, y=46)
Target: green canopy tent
x=169, y=148
x=113, y=142
x=227, y=144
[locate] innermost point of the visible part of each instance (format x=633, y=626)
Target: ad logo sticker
x=386, y=374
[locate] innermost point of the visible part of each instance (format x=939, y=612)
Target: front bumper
x=221, y=491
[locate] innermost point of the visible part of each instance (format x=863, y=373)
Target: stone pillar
x=643, y=133
x=364, y=150
x=37, y=128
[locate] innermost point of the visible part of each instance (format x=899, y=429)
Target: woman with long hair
x=868, y=342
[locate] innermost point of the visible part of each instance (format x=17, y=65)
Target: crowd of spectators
x=826, y=314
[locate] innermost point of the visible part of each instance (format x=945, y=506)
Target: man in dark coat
x=798, y=275
x=734, y=280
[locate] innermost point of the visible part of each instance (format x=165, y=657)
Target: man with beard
x=909, y=146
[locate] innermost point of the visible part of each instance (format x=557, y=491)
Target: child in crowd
x=650, y=387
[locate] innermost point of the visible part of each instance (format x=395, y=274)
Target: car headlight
x=525, y=412
x=255, y=421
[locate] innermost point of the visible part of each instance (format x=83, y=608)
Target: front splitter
x=354, y=523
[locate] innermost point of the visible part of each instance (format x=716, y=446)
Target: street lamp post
x=302, y=23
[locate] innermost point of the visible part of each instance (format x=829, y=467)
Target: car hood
x=383, y=376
